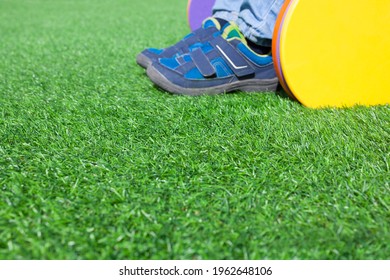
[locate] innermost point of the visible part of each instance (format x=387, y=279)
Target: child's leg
x=257, y=18
x=227, y=9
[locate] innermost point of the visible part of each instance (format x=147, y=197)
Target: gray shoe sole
x=143, y=60
x=250, y=85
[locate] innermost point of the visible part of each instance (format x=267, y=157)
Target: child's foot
x=210, y=28
x=223, y=64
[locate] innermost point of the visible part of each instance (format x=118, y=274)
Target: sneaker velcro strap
x=180, y=47
x=202, y=63
x=235, y=60
x=171, y=51
x=195, y=37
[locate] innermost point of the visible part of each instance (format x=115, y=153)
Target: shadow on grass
x=279, y=92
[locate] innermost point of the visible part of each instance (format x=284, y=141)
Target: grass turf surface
x=96, y=163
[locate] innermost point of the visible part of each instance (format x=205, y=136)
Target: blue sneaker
x=223, y=64
x=210, y=28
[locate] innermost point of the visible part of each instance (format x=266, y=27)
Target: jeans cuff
x=228, y=16
x=250, y=32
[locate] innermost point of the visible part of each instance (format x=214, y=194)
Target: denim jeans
x=255, y=18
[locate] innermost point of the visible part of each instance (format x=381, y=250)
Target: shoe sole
x=250, y=85
x=143, y=61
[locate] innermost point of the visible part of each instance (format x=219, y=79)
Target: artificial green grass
x=96, y=163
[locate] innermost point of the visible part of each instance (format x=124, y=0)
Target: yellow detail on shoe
x=216, y=22
x=232, y=32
